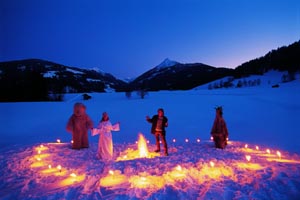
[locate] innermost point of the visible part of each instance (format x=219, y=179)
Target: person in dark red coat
x=219, y=130
x=159, y=122
x=78, y=124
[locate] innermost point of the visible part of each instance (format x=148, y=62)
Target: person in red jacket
x=159, y=122
x=219, y=130
x=78, y=124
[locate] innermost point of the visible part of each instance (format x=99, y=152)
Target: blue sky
x=127, y=38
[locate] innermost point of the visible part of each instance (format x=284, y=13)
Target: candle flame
x=246, y=146
x=248, y=158
x=39, y=151
x=186, y=140
x=111, y=172
x=212, y=164
x=268, y=151
x=178, y=168
x=58, y=140
x=198, y=140
x=174, y=140
x=279, y=154
x=211, y=138
x=59, y=167
x=257, y=148
x=73, y=175
x=49, y=166
x=72, y=141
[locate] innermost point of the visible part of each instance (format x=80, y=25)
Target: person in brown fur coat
x=219, y=130
x=79, y=123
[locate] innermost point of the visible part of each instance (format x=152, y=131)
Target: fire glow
x=141, y=152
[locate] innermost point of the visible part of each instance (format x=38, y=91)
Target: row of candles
x=58, y=167
x=248, y=157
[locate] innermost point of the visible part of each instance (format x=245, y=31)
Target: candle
x=248, y=158
x=111, y=172
x=257, y=148
x=212, y=164
x=268, y=151
x=279, y=154
x=178, y=168
x=59, y=168
x=49, y=166
x=58, y=140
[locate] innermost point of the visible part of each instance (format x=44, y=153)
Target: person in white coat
x=105, y=144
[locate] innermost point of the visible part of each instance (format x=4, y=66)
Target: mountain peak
x=167, y=63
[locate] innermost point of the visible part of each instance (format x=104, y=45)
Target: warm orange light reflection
x=113, y=178
x=145, y=181
x=249, y=166
x=71, y=180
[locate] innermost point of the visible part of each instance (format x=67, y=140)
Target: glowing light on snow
x=211, y=138
x=246, y=146
x=198, y=140
x=256, y=147
x=39, y=151
x=49, y=166
x=113, y=178
x=186, y=140
x=174, y=140
x=59, y=167
x=58, y=141
x=212, y=164
x=73, y=175
x=72, y=141
x=268, y=151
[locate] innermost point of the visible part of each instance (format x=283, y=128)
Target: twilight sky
x=128, y=37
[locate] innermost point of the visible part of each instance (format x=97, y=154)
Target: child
x=105, y=145
x=79, y=124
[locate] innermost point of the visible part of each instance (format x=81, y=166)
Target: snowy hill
x=35, y=79
x=261, y=161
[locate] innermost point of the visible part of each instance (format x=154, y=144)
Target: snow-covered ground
x=263, y=118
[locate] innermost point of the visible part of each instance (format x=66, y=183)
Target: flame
x=142, y=146
x=248, y=158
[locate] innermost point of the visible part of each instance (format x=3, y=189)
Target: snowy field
x=262, y=160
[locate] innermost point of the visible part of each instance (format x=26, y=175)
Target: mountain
x=286, y=58
x=172, y=75
x=35, y=79
x=167, y=63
